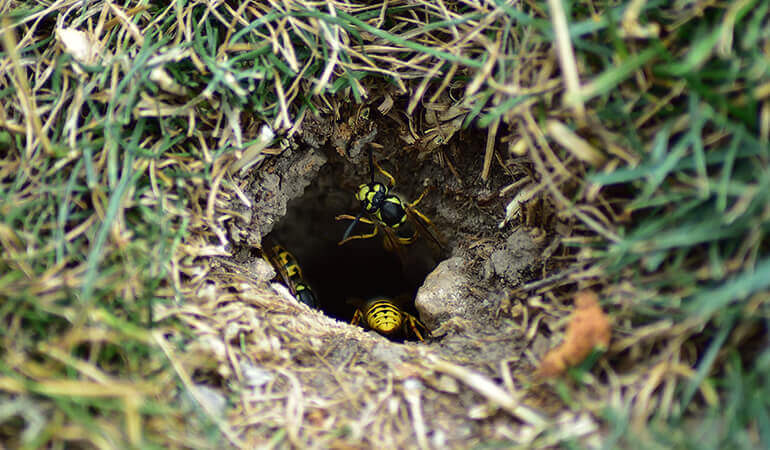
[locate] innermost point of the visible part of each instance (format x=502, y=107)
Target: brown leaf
x=588, y=327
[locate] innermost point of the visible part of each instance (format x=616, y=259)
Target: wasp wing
x=425, y=228
x=392, y=243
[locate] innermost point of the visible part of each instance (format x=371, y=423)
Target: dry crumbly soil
x=462, y=290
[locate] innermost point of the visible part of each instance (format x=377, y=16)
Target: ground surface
x=461, y=290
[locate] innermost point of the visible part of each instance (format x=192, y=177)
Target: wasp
x=288, y=268
x=388, y=213
x=386, y=317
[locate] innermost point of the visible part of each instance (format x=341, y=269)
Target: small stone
x=443, y=294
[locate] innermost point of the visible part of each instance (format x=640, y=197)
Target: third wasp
x=291, y=274
x=386, y=317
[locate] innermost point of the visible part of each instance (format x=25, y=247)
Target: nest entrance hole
x=359, y=269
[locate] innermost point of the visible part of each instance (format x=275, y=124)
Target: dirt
x=459, y=289
x=297, y=194
x=270, y=189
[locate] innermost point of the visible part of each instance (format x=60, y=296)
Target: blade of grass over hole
x=134, y=73
x=343, y=82
x=267, y=18
x=685, y=209
x=478, y=105
x=713, y=157
x=696, y=56
x=127, y=88
x=116, y=199
x=277, y=62
x=697, y=121
x=740, y=287
x=501, y=109
x=716, y=262
x=64, y=209
x=352, y=78
x=658, y=174
x=705, y=364
x=753, y=30
x=690, y=234
x=342, y=17
x=660, y=199
x=446, y=23
x=611, y=78
x=727, y=170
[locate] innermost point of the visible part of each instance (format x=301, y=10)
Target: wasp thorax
x=371, y=196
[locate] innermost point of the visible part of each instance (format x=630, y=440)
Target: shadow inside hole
x=359, y=269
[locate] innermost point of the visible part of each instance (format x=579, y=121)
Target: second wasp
x=400, y=222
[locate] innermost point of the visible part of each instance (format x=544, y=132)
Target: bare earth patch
x=327, y=378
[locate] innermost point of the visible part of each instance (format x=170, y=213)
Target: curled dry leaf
x=588, y=327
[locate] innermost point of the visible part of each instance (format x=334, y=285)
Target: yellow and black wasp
x=386, y=317
x=288, y=268
x=389, y=214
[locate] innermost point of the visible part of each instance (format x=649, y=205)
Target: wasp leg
x=412, y=322
x=419, y=199
x=429, y=229
x=424, y=219
x=356, y=317
x=357, y=236
x=391, y=180
x=349, y=217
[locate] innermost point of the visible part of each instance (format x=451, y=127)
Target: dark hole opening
x=359, y=269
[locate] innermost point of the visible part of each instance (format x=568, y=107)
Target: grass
x=110, y=162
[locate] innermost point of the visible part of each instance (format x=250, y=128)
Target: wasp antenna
x=371, y=163
x=352, y=224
